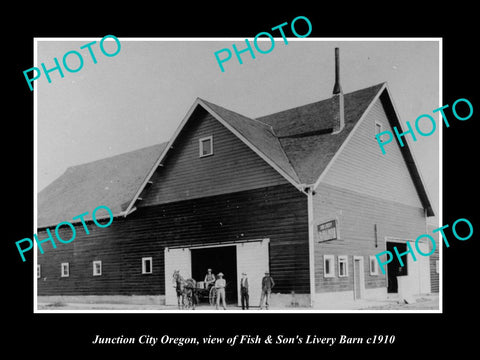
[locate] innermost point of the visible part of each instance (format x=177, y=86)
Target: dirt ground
x=424, y=302
x=427, y=302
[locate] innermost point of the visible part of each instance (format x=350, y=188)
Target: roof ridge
x=317, y=101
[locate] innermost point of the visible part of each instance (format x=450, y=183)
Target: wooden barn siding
x=278, y=213
x=434, y=276
x=362, y=167
x=357, y=213
x=232, y=167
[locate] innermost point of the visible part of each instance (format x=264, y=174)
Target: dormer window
x=206, y=146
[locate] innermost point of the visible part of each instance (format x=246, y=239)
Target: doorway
x=393, y=268
x=358, y=278
x=219, y=259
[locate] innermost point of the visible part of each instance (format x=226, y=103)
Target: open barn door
x=176, y=259
x=252, y=258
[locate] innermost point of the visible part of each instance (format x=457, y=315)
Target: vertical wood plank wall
x=278, y=213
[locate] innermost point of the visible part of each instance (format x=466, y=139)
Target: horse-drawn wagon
x=191, y=292
x=206, y=293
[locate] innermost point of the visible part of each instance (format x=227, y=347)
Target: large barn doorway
x=219, y=259
x=393, y=268
x=251, y=257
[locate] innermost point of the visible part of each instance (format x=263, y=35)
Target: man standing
x=220, y=286
x=267, y=285
x=244, y=291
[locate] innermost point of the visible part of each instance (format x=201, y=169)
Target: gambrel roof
x=298, y=143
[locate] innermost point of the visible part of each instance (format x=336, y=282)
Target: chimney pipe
x=337, y=88
x=337, y=92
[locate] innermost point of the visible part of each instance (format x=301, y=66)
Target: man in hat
x=267, y=285
x=244, y=290
x=209, y=279
x=220, y=286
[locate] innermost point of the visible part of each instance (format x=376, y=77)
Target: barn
x=303, y=193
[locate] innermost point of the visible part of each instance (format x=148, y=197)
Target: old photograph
x=238, y=175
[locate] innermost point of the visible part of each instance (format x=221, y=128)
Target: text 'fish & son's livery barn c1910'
x=304, y=194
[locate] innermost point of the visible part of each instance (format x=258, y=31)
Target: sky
x=138, y=97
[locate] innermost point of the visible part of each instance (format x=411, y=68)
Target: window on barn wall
x=146, y=265
x=65, y=270
x=97, y=268
x=206, y=146
x=39, y=271
x=343, y=266
x=373, y=265
x=328, y=266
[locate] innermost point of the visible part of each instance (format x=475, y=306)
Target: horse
x=186, y=294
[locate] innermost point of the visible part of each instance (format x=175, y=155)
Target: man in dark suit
x=267, y=285
x=244, y=291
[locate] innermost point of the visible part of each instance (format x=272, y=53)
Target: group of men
x=220, y=285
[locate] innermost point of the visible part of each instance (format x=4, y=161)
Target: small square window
x=206, y=146
x=328, y=266
x=146, y=265
x=342, y=266
x=97, y=268
x=65, y=270
x=39, y=271
x=373, y=265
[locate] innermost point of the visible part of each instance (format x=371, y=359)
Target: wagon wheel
x=212, y=296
